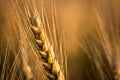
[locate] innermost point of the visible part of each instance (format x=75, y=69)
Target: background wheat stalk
x=101, y=44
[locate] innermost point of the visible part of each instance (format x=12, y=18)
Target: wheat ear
x=49, y=62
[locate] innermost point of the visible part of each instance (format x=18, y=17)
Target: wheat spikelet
x=50, y=63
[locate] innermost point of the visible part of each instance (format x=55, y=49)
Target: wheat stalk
x=49, y=62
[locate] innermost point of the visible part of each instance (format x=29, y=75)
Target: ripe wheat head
x=30, y=44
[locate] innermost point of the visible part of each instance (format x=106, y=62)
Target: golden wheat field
x=59, y=40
